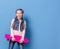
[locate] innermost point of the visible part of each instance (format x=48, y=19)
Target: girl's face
x=19, y=14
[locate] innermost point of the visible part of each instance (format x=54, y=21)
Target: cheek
x=19, y=14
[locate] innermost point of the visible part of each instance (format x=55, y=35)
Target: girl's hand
x=13, y=39
x=21, y=41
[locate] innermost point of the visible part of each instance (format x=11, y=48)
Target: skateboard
x=17, y=38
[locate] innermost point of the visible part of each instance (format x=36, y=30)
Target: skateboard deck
x=17, y=38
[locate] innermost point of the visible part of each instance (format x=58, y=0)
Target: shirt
x=18, y=32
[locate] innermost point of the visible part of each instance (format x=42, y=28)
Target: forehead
x=19, y=11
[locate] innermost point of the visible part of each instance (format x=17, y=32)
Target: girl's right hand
x=13, y=39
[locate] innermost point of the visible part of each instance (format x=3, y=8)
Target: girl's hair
x=20, y=10
x=22, y=24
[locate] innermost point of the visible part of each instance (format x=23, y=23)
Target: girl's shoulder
x=13, y=20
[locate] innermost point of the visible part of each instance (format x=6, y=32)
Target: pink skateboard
x=17, y=38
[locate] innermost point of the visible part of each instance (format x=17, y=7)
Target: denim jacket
x=17, y=24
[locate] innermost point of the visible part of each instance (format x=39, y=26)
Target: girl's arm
x=11, y=29
x=23, y=32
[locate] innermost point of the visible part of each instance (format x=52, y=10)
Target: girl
x=18, y=27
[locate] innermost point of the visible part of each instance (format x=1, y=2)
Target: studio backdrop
x=42, y=18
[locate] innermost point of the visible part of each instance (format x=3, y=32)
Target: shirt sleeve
x=11, y=29
x=23, y=32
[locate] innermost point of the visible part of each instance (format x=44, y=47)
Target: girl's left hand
x=21, y=41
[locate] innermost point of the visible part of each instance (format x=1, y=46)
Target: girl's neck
x=18, y=19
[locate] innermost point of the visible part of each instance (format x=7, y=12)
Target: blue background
x=43, y=22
